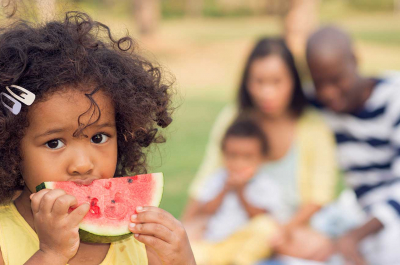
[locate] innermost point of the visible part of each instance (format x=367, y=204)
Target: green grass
x=388, y=37
x=180, y=156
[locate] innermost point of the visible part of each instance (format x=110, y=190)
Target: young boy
x=236, y=198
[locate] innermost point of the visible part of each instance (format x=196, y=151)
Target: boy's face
x=335, y=80
x=242, y=154
x=50, y=152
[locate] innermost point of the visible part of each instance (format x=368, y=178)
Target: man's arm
x=349, y=243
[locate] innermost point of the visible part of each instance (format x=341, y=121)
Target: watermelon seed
x=94, y=202
x=112, y=201
x=130, y=180
x=95, y=210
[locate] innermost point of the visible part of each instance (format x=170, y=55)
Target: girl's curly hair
x=79, y=51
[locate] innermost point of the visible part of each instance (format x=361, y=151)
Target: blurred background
x=203, y=44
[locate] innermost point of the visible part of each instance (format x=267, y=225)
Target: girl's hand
x=160, y=231
x=56, y=228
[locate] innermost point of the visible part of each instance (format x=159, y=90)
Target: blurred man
x=364, y=113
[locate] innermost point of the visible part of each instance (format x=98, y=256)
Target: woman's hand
x=160, y=231
x=56, y=228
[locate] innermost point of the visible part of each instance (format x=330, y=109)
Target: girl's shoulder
x=13, y=231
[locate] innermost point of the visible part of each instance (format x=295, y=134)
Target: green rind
x=41, y=186
x=44, y=185
x=88, y=237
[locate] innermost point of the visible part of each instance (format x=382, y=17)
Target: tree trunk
x=194, y=8
x=46, y=9
x=299, y=22
x=147, y=15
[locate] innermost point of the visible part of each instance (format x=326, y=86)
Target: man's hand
x=348, y=246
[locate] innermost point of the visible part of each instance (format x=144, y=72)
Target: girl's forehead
x=64, y=108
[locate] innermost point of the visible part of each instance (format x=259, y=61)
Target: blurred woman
x=301, y=156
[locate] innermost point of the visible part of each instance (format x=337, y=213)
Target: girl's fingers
x=63, y=203
x=150, y=214
x=152, y=229
x=48, y=199
x=152, y=241
x=76, y=216
x=36, y=199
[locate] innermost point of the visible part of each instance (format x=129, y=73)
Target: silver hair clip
x=25, y=97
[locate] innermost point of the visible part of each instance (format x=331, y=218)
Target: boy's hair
x=246, y=128
x=81, y=54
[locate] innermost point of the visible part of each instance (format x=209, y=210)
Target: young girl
x=97, y=105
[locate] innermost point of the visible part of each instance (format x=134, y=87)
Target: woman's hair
x=246, y=128
x=267, y=47
x=79, y=53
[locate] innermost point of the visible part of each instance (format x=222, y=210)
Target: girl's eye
x=55, y=144
x=99, y=138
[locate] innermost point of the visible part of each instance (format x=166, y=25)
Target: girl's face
x=270, y=85
x=50, y=152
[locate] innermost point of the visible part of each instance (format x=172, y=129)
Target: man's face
x=335, y=79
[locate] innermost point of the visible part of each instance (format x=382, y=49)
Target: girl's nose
x=81, y=164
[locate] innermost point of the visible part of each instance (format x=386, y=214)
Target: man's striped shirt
x=369, y=145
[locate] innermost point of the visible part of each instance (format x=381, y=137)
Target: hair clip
x=16, y=108
x=27, y=97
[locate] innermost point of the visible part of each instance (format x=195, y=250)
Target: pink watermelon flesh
x=112, y=202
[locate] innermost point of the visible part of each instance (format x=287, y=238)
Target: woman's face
x=270, y=85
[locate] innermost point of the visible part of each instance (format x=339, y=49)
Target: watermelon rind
x=88, y=237
x=94, y=234
x=159, y=189
x=41, y=186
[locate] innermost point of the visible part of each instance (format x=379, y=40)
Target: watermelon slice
x=112, y=202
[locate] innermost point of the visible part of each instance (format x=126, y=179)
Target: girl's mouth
x=86, y=181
